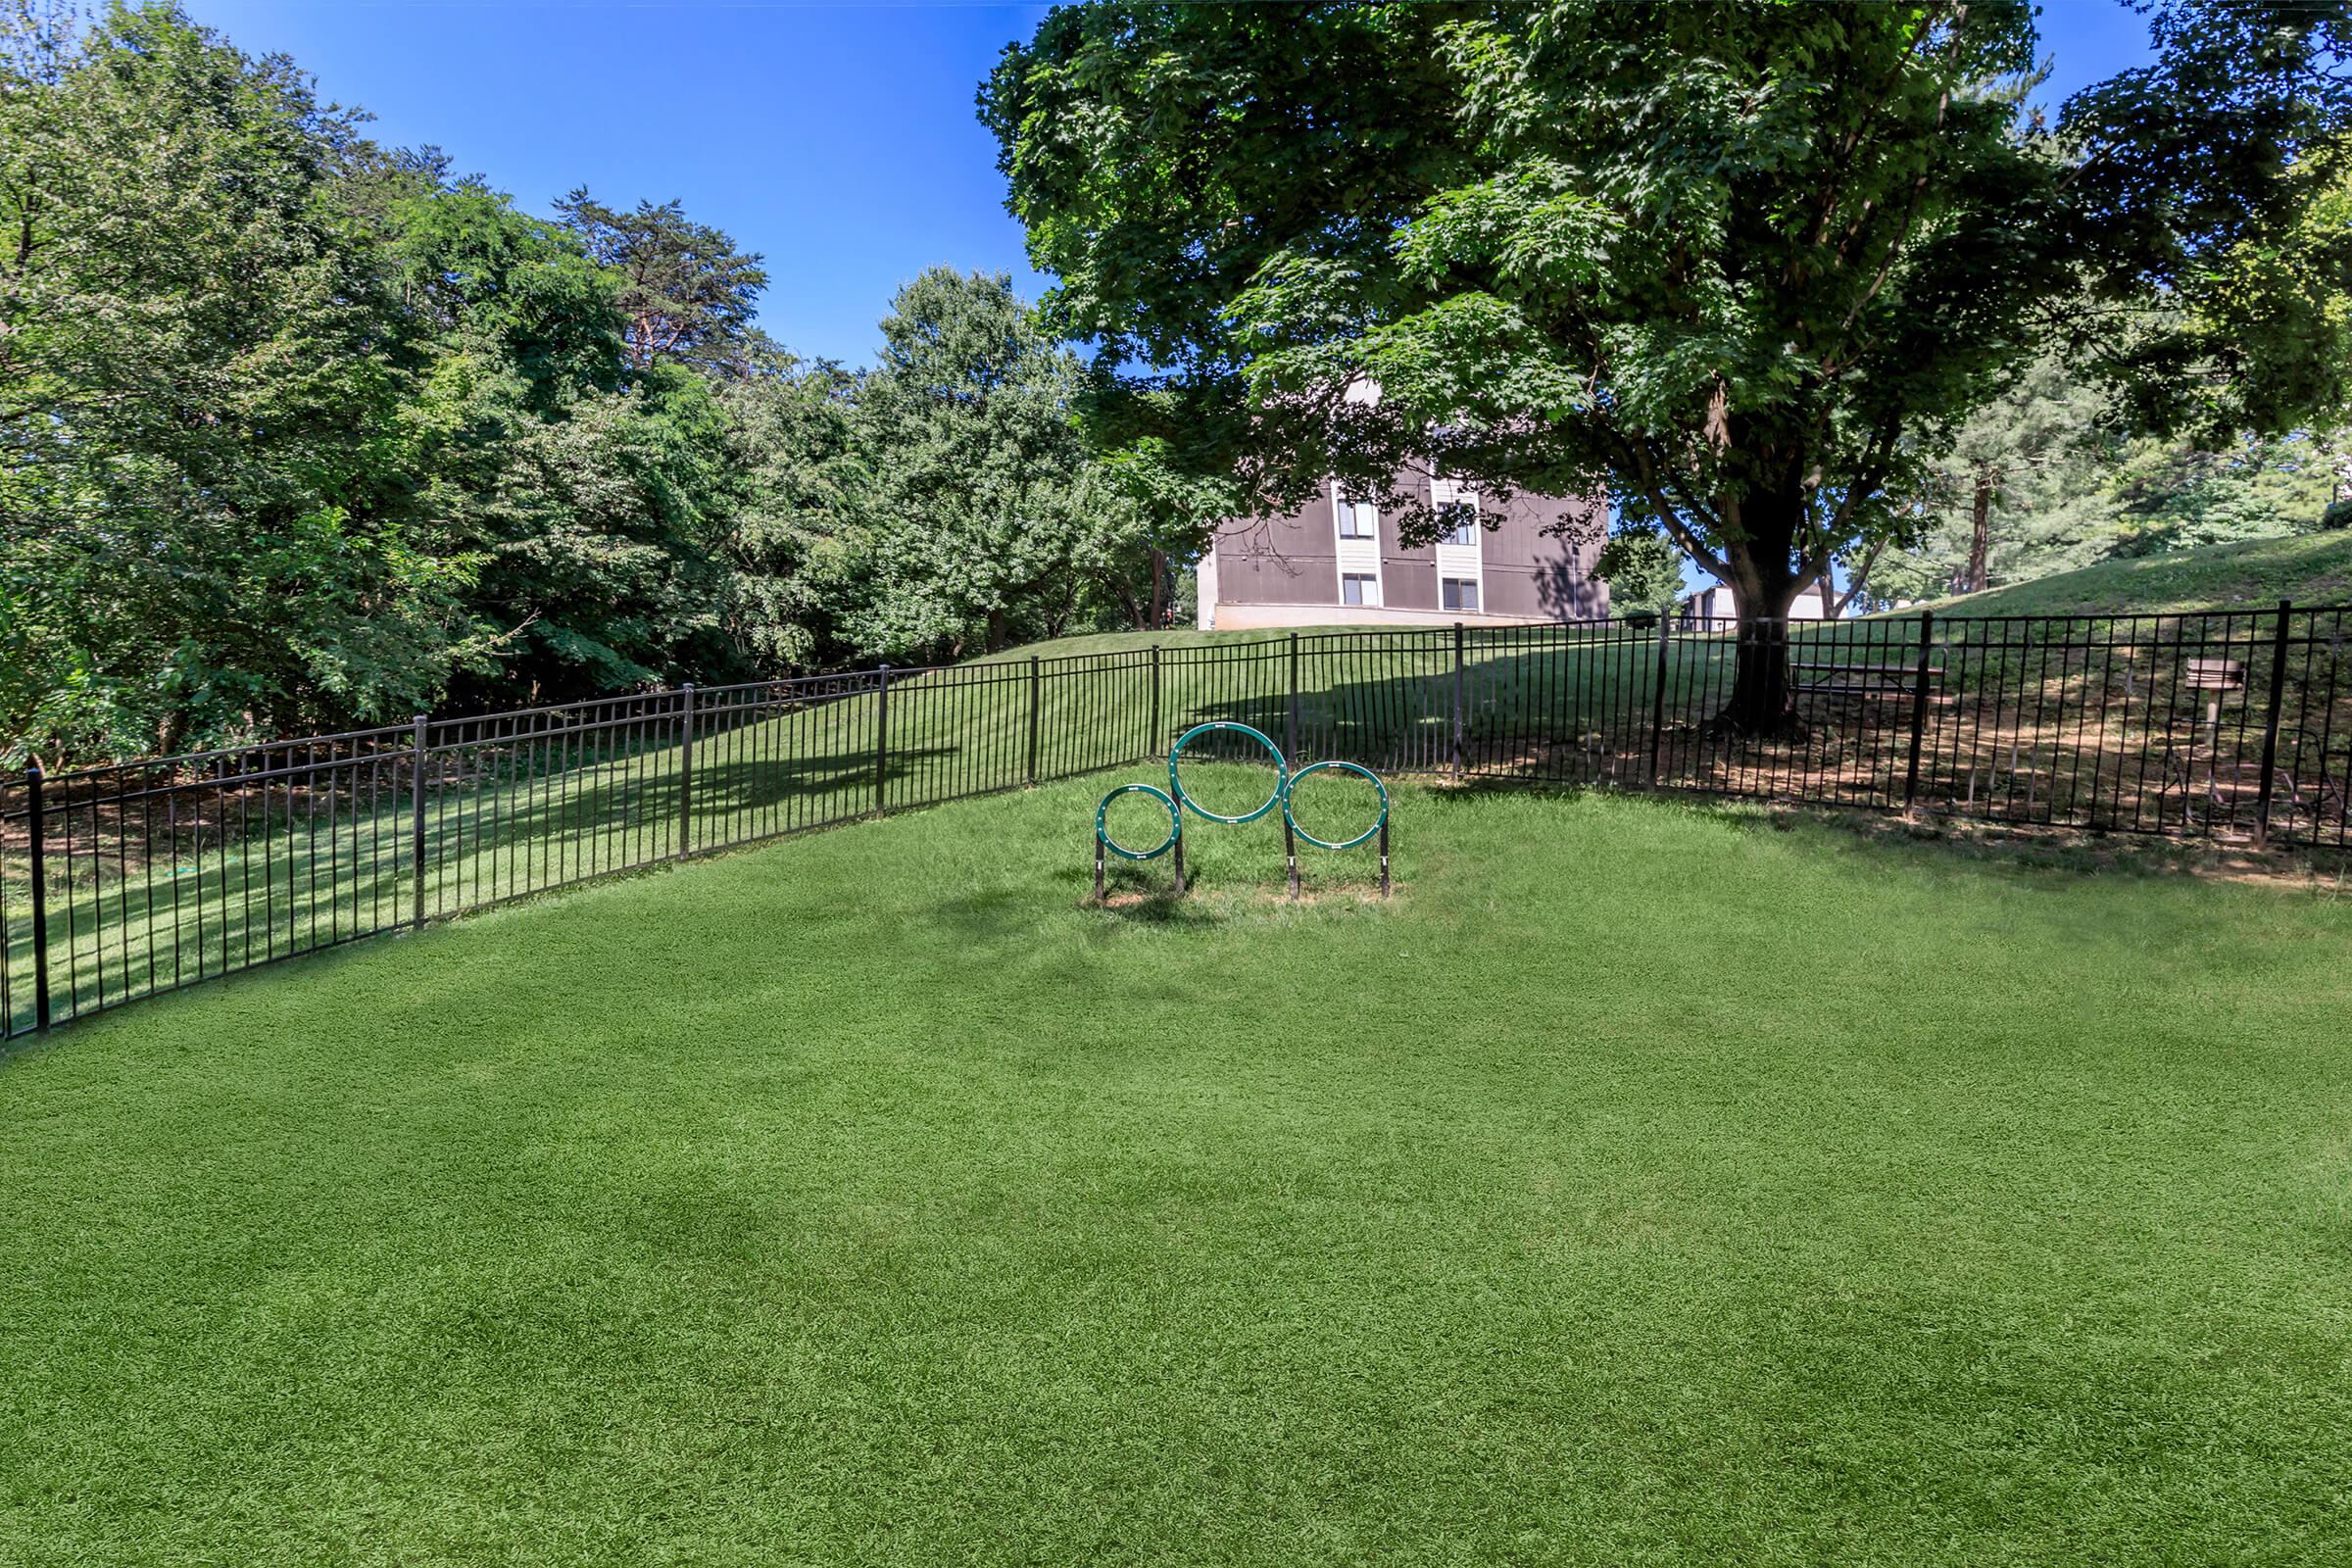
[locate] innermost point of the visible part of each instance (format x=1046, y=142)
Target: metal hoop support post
x=1291, y=832
x=1105, y=844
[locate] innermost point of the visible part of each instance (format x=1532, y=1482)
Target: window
x=1459, y=518
x=1359, y=519
x=1359, y=588
x=1460, y=593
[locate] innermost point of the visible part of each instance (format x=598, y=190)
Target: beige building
x=1339, y=560
x=1713, y=605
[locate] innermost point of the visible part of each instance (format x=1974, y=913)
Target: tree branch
x=1684, y=539
x=1860, y=575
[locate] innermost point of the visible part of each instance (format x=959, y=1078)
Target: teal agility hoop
x=1102, y=826
x=1282, y=771
x=1290, y=789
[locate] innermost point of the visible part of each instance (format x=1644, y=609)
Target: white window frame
x=1465, y=561
x=1368, y=585
x=1352, y=555
x=1478, y=591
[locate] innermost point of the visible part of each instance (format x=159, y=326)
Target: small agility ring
x=1282, y=771
x=1290, y=789
x=1102, y=826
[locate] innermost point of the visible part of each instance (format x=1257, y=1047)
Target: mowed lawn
x=1644, y=1183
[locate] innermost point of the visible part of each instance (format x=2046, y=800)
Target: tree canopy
x=1746, y=266
x=202, y=508
x=991, y=523
x=299, y=432
x=2044, y=480
x=686, y=292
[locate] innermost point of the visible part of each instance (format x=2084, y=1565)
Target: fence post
x=40, y=896
x=1919, y=709
x=1289, y=723
x=1152, y=739
x=1657, y=701
x=1458, y=700
x=1036, y=692
x=416, y=761
x=2269, y=727
x=882, y=742
x=686, y=769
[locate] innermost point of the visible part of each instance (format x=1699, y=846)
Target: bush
x=2338, y=515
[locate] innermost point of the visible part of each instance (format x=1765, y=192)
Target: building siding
x=1287, y=564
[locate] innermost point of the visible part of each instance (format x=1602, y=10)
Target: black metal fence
x=122, y=881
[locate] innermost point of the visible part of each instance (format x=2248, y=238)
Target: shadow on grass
x=2001, y=847
x=1145, y=895
x=1936, y=839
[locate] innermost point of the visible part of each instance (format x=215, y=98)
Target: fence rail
x=131, y=879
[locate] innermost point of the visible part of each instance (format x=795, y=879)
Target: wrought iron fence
x=131, y=879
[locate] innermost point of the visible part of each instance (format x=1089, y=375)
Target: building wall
x=1265, y=569
x=1714, y=603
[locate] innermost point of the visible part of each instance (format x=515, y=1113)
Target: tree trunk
x=1980, y=539
x=1763, y=701
x=1764, y=585
x=1160, y=589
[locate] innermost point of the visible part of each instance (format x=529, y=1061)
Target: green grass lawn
x=2313, y=568
x=1643, y=1183
x=2065, y=726
x=154, y=892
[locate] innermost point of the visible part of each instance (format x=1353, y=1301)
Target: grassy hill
x=151, y=893
x=2309, y=568
x=1123, y=642
x=866, y=1200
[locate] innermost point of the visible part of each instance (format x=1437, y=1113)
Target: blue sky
x=839, y=141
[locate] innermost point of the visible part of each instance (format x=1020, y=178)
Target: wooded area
x=298, y=431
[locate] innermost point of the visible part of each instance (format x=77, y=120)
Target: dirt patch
x=1220, y=896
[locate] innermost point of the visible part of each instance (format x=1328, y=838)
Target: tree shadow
x=1145, y=894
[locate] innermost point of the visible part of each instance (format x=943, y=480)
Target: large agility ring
x=1282, y=771
x=1103, y=825
x=1290, y=793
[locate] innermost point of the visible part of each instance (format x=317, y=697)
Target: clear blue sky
x=837, y=139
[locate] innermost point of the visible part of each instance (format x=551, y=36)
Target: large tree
x=203, y=521
x=985, y=522
x=800, y=477
x=2020, y=490
x=688, y=293
x=296, y=432
x=1744, y=264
